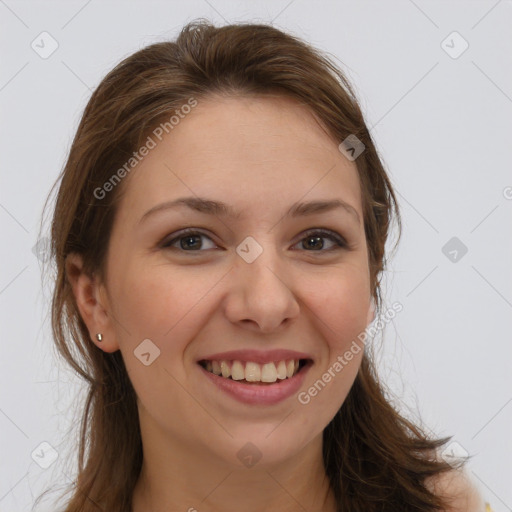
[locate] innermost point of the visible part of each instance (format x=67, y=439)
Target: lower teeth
x=257, y=382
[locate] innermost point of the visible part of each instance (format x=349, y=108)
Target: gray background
x=443, y=127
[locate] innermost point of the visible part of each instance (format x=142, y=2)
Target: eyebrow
x=218, y=208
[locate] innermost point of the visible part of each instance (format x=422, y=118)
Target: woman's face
x=254, y=278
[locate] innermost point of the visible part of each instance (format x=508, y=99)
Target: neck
x=176, y=476
x=233, y=491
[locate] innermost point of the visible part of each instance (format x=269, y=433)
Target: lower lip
x=259, y=394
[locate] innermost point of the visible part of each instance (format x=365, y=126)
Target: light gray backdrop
x=435, y=82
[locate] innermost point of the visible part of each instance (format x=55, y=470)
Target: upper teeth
x=254, y=372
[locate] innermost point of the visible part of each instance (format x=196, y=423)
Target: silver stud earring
x=99, y=337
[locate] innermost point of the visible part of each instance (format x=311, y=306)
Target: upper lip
x=257, y=356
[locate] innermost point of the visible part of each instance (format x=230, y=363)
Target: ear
x=371, y=312
x=92, y=302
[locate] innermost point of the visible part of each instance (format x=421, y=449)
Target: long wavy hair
x=375, y=458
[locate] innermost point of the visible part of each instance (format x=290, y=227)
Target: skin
x=259, y=155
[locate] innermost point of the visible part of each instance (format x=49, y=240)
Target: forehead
x=244, y=151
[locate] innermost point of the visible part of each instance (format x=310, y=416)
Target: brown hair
x=375, y=458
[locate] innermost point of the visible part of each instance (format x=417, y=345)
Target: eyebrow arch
x=218, y=208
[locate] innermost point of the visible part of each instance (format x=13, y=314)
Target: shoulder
x=458, y=490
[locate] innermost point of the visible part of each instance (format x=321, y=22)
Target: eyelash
x=324, y=233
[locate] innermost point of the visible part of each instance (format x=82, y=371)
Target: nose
x=261, y=296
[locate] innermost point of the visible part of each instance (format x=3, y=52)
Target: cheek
x=162, y=305
x=339, y=303
x=339, y=310
x=151, y=305
x=143, y=297
x=340, y=315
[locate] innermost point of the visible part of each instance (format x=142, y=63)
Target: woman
x=219, y=238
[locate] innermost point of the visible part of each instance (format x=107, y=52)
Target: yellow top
x=488, y=508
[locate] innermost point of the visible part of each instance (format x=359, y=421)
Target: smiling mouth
x=254, y=373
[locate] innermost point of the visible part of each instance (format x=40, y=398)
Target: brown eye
x=189, y=240
x=314, y=240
